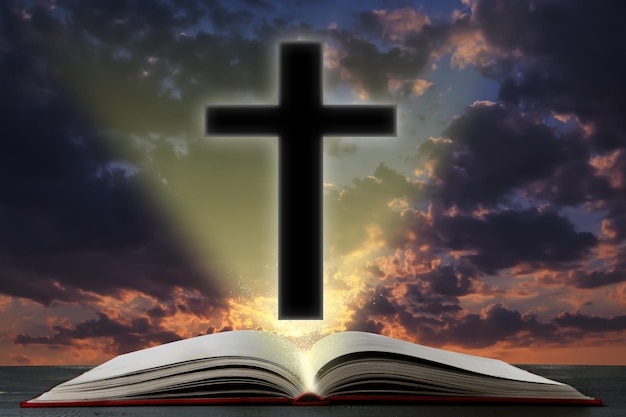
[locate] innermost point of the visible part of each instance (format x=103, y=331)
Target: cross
x=300, y=120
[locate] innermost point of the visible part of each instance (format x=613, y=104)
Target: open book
x=255, y=366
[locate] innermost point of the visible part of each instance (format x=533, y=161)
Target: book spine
x=309, y=398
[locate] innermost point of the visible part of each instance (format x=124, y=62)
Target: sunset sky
x=494, y=224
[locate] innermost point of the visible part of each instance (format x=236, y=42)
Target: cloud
x=541, y=73
x=495, y=323
x=591, y=323
x=598, y=278
x=370, y=68
x=159, y=312
x=125, y=335
x=73, y=227
x=437, y=324
x=494, y=242
x=513, y=237
x=349, y=212
x=612, y=167
x=410, y=295
x=126, y=327
x=56, y=268
x=420, y=300
x=409, y=88
x=446, y=281
x=26, y=284
x=368, y=312
x=554, y=74
x=393, y=25
x=488, y=153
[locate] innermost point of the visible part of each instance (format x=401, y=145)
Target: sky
x=493, y=224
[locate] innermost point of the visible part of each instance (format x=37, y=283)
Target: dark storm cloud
x=495, y=241
x=570, y=60
x=474, y=330
x=436, y=292
x=490, y=151
x=496, y=323
x=73, y=226
x=366, y=318
x=429, y=301
x=126, y=336
x=593, y=324
x=575, y=182
x=29, y=284
x=513, y=237
x=46, y=273
x=448, y=280
x=599, y=278
x=431, y=322
x=73, y=234
x=564, y=63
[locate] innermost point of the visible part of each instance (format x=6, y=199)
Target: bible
x=251, y=366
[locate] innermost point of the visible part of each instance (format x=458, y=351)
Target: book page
x=343, y=343
x=245, y=343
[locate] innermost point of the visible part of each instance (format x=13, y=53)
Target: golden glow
x=344, y=281
x=261, y=312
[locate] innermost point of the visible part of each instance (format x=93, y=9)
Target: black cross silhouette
x=300, y=120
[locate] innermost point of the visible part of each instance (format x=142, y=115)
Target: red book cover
x=312, y=399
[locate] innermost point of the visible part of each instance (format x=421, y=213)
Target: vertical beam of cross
x=300, y=120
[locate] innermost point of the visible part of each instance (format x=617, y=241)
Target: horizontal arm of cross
x=335, y=120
